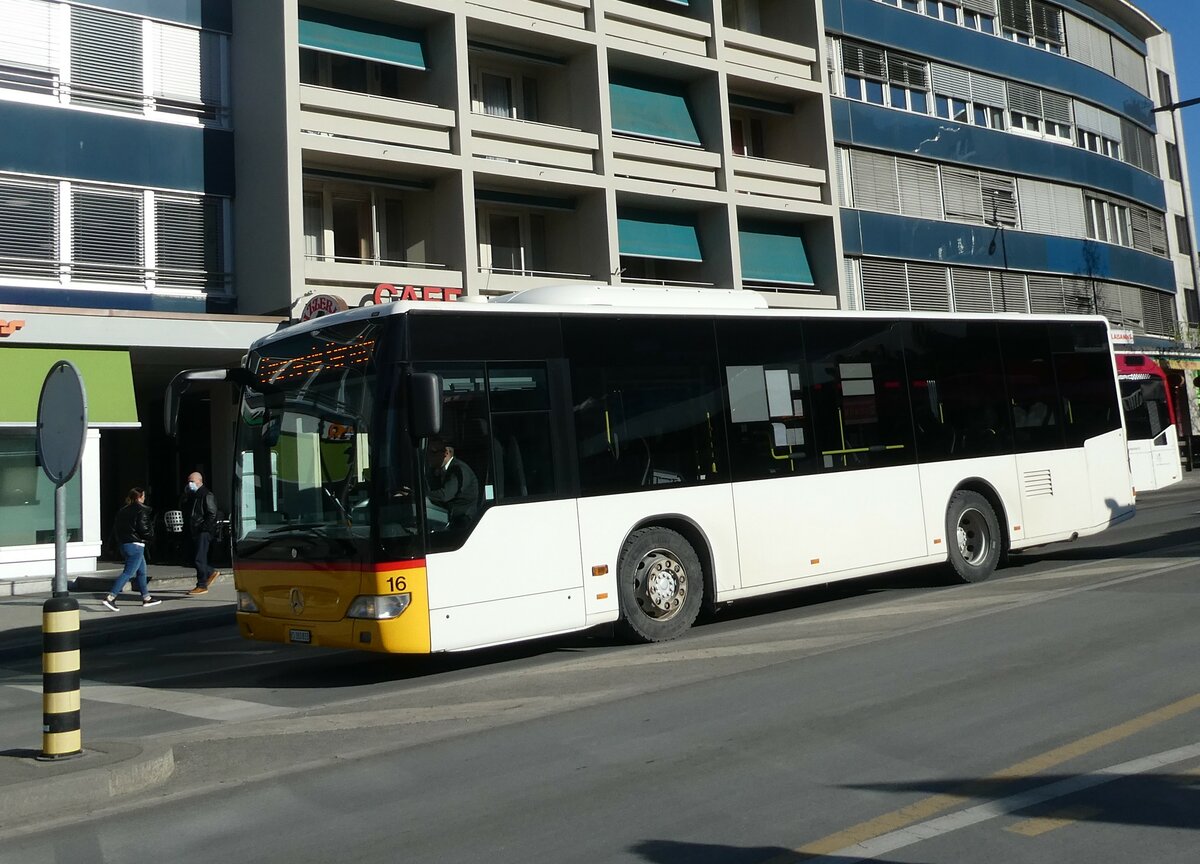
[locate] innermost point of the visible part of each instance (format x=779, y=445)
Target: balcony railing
x=665, y=163
x=772, y=60
x=572, y=13
x=534, y=143
x=375, y=119
x=53, y=273
x=660, y=29
x=778, y=179
x=331, y=270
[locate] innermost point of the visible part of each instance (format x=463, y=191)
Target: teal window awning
x=774, y=253
x=358, y=37
x=649, y=234
x=651, y=108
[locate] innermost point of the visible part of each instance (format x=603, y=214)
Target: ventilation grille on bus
x=1038, y=483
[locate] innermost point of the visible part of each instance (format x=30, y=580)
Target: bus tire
x=660, y=585
x=973, y=536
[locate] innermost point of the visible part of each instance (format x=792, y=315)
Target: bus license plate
x=304, y=636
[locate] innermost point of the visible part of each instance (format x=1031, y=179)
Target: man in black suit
x=452, y=484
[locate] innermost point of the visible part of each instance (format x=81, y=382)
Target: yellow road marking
x=989, y=786
x=1060, y=819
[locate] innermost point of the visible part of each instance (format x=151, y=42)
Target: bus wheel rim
x=972, y=536
x=660, y=584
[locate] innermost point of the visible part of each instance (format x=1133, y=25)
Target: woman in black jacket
x=134, y=528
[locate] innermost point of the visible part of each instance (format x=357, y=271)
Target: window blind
x=988, y=90
x=950, y=81
x=1046, y=295
x=1047, y=22
x=907, y=71
x=27, y=35
x=999, y=198
x=107, y=235
x=1026, y=100
x=873, y=180
x=28, y=223
x=884, y=285
x=862, y=60
x=971, y=290
x=961, y=194
x=929, y=287
x=920, y=193
x=106, y=59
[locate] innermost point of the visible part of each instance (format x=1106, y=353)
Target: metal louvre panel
x=107, y=230
x=1108, y=298
x=873, y=180
x=1139, y=223
x=187, y=66
x=1110, y=124
x=1027, y=100
x=1077, y=295
x=106, y=58
x=862, y=59
x=972, y=290
x=999, y=198
x=1087, y=117
x=1056, y=107
x=27, y=35
x=919, y=189
x=987, y=7
x=843, y=191
x=1131, y=305
x=1047, y=21
x=1008, y=292
x=187, y=234
x=988, y=90
x=949, y=81
x=852, y=286
x=1037, y=206
x=1131, y=144
x=1102, y=55
x=961, y=194
x=908, y=71
x=1154, y=313
x=1158, y=232
x=884, y=286
x=1129, y=67
x=1046, y=295
x=1014, y=14
x=929, y=287
x=28, y=222
x=1079, y=38
x=1068, y=213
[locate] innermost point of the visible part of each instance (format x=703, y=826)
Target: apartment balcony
x=782, y=180
x=772, y=61
x=334, y=121
x=355, y=274
x=571, y=13
x=648, y=26
x=527, y=142
x=665, y=163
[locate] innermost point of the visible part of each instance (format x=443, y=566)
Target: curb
x=127, y=773
x=26, y=642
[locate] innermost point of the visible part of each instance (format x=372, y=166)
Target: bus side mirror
x=424, y=404
x=180, y=383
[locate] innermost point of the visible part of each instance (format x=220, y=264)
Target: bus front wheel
x=973, y=535
x=660, y=585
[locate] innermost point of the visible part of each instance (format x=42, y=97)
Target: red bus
x=1150, y=423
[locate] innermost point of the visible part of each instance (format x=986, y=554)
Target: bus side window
x=1083, y=367
x=1032, y=389
x=522, y=463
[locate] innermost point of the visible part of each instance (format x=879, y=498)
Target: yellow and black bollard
x=61, y=737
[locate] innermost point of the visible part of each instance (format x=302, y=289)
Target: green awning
x=650, y=234
x=358, y=37
x=107, y=381
x=773, y=252
x=651, y=108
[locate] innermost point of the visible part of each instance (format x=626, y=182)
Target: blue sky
x=1181, y=18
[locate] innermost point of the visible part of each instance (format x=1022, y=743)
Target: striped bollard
x=61, y=737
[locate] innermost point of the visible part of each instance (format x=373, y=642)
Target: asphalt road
x=1050, y=714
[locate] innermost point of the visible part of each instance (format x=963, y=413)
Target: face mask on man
x=192, y=487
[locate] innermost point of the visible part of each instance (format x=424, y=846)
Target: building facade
x=116, y=189
x=474, y=148
x=1006, y=155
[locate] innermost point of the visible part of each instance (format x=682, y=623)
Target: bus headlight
x=378, y=608
x=245, y=603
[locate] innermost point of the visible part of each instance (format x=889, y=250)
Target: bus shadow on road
x=678, y=852
x=1175, y=544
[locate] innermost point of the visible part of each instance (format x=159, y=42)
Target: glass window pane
x=1032, y=392
x=27, y=495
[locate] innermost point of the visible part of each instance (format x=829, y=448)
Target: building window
x=1107, y=221
x=354, y=225
x=1098, y=143
x=350, y=74
x=1183, y=236
x=1165, y=91
x=885, y=78
x=979, y=21
x=29, y=239
x=28, y=495
x=744, y=15
x=746, y=134
x=504, y=94
x=1174, y=169
x=512, y=242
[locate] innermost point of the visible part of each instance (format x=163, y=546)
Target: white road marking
x=913, y=834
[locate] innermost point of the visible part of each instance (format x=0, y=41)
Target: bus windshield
x=1144, y=399
x=303, y=457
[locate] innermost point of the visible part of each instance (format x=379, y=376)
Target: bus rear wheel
x=660, y=585
x=973, y=535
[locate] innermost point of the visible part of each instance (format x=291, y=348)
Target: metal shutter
x=961, y=194
x=853, y=304
x=988, y=90
x=1046, y=294
x=843, y=189
x=28, y=227
x=1079, y=38
x=1139, y=223
x=27, y=36
x=999, y=198
x=929, y=287
x=873, y=180
x=862, y=60
x=1129, y=67
x=188, y=239
x=1026, y=100
x=987, y=7
x=1014, y=14
x=1158, y=232
x=1008, y=292
x=1037, y=206
x=187, y=64
x=106, y=235
x=1131, y=305
x=1138, y=147
x=1087, y=116
x=949, y=81
x=1056, y=107
x=1102, y=54
x=1156, y=318
x=1068, y=212
x=972, y=290
x=1047, y=21
x=106, y=59
x=1110, y=124
x=883, y=283
x=1077, y=295
x=907, y=71
x=919, y=192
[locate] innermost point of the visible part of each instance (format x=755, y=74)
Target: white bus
x=639, y=454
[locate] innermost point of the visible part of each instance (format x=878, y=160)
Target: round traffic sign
x=61, y=422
